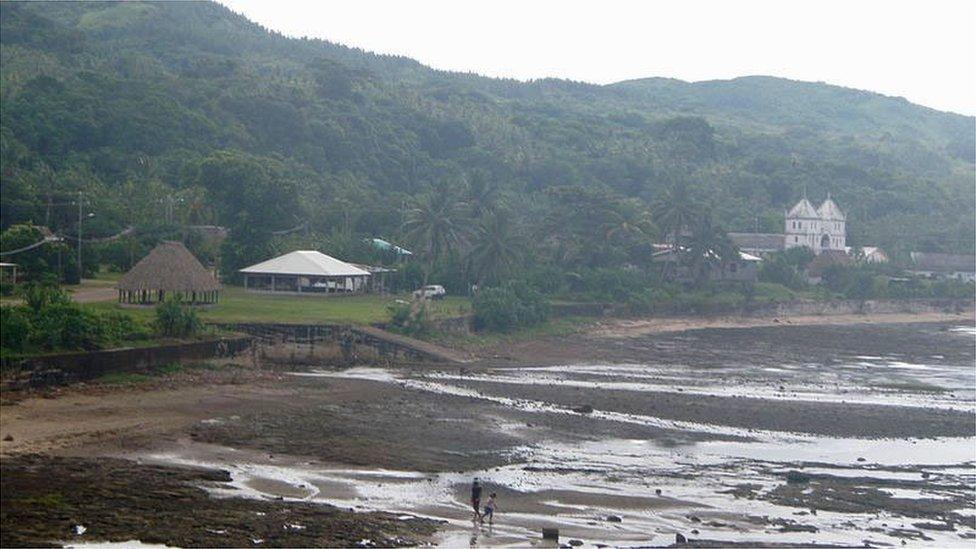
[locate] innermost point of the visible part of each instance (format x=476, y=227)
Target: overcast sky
x=922, y=50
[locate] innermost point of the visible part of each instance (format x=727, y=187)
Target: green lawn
x=236, y=305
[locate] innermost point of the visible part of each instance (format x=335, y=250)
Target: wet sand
x=777, y=434
x=599, y=340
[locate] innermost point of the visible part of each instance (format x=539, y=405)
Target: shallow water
x=725, y=489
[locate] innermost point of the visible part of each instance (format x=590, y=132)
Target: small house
x=943, y=266
x=744, y=268
x=306, y=272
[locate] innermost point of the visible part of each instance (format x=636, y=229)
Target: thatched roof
x=170, y=267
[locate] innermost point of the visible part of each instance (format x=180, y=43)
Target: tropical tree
x=482, y=194
x=626, y=224
x=708, y=247
x=495, y=250
x=435, y=227
x=675, y=210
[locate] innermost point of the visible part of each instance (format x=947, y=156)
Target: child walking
x=489, y=509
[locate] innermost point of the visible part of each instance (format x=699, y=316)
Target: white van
x=434, y=291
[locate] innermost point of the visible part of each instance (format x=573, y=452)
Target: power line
x=43, y=241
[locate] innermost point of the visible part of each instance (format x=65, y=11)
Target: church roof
x=830, y=211
x=803, y=209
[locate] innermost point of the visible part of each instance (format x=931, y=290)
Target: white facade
x=819, y=229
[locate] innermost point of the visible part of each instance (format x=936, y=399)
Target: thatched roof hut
x=169, y=269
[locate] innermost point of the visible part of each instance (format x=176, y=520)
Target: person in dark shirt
x=476, y=499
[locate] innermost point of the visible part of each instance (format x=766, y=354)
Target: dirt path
x=92, y=295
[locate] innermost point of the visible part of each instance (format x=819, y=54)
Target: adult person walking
x=476, y=499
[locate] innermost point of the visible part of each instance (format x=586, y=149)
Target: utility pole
x=79, y=236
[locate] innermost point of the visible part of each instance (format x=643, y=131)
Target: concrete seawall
x=65, y=368
x=349, y=337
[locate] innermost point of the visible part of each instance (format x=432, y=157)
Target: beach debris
x=584, y=409
x=8, y=438
x=614, y=518
x=657, y=491
x=290, y=526
x=257, y=541
x=861, y=459
x=576, y=542
x=693, y=518
x=79, y=530
x=680, y=539
x=550, y=533
x=218, y=532
x=365, y=542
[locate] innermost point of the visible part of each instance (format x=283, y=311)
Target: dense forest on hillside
x=183, y=113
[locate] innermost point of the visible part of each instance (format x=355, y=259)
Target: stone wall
x=64, y=368
x=352, y=340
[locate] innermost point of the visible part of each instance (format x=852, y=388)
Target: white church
x=822, y=229
x=819, y=229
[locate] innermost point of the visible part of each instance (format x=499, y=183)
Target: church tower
x=820, y=229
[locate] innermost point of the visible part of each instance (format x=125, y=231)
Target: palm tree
x=496, y=249
x=627, y=225
x=675, y=210
x=482, y=195
x=434, y=227
x=708, y=247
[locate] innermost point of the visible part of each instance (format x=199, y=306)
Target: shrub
x=410, y=318
x=509, y=307
x=68, y=326
x=16, y=328
x=50, y=321
x=174, y=319
x=616, y=285
x=38, y=295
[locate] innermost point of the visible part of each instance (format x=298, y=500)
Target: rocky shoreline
x=48, y=500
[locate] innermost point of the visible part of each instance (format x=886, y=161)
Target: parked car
x=434, y=291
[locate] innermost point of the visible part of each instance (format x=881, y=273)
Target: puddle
x=131, y=544
x=574, y=487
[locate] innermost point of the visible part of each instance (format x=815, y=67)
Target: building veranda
x=170, y=270
x=306, y=272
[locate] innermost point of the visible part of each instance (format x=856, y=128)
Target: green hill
x=189, y=111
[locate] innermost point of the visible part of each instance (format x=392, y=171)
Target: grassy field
x=236, y=305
